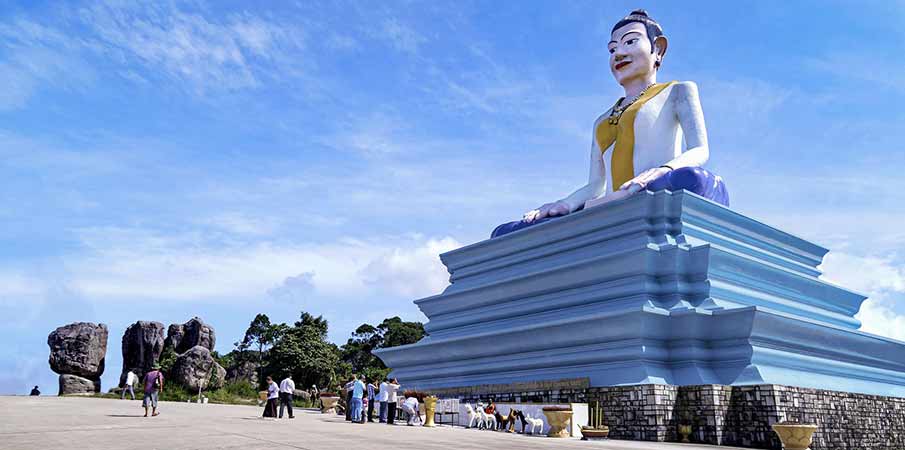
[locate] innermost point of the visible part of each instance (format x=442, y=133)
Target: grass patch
x=232, y=394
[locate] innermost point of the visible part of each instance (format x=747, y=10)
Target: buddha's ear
x=660, y=46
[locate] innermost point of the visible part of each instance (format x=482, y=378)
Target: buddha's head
x=637, y=46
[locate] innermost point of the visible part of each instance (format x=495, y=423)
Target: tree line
x=303, y=351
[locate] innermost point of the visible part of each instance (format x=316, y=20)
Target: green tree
x=261, y=334
x=396, y=332
x=167, y=359
x=304, y=352
x=357, y=350
x=393, y=331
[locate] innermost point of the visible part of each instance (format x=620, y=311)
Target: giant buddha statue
x=638, y=143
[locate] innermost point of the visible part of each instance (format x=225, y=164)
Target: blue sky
x=168, y=159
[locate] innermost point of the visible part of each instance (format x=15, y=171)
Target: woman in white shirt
x=273, y=398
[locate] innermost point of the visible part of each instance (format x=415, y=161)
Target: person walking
x=372, y=398
x=358, y=391
x=287, y=389
x=392, y=387
x=273, y=395
x=129, y=386
x=153, y=388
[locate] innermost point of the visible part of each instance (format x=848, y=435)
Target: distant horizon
x=165, y=161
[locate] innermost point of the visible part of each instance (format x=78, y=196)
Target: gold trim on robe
x=622, y=165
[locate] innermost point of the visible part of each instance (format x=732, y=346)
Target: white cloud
x=413, y=271
x=882, y=279
x=866, y=274
x=204, y=55
x=879, y=319
x=243, y=224
x=120, y=263
x=400, y=36
x=882, y=70
x=34, y=56
x=295, y=289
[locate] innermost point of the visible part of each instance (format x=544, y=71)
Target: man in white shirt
x=382, y=398
x=410, y=406
x=287, y=388
x=129, y=386
x=392, y=387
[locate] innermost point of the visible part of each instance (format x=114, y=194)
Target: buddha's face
x=630, y=53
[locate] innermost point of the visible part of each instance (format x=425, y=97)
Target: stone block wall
x=641, y=413
x=846, y=421
x=739, y=416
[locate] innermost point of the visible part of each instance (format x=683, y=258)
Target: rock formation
x=246, y=371
x=193, y=368
x=175, y=333
x=142, y=346
x=194, y=332
x=218, y=376
x=77, y=353
x=76, y=385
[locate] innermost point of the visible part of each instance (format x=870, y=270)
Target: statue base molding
x=659, y=288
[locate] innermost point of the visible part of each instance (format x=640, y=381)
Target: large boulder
x=246, y=371
x=76, y=385
x=175, y=333
x=78, y=349
x=193, y=368
x=142, y=346
x=301, y=394
x=218, y=377
x=190, y=334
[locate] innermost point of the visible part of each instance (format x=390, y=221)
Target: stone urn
x=430, y=406
x=794, y=436
x=329, y=405
x=558, y=419
x=594, y=434
x=684, y=431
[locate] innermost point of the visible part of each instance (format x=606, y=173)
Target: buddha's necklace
x=617, y=111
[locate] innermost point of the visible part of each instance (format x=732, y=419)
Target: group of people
x=362, y=397
x=153, y=381
x=281, y=394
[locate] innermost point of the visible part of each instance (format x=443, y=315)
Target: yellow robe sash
x=622, y=165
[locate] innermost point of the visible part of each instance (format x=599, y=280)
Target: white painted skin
x=634, y=66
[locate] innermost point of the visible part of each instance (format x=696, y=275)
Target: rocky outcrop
x=76, y=385
x=193, y=368
x=175, y=333
x=218, y=377
x=77, y=353
x=301, y=394
x=142, y=346
x=246, y=371
x=190, y=334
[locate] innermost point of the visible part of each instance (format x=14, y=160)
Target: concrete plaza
x=102, y=424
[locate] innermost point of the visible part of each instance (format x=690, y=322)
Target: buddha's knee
x=688, y=178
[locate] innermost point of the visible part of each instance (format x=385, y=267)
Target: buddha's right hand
x=557, y=208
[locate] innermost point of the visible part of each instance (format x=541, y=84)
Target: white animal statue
x=533, y=424
x=487, y=420
x=473, y=417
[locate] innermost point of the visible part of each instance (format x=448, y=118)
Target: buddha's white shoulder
x=685, y=88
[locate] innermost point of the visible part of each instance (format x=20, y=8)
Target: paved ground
x=103, y=424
